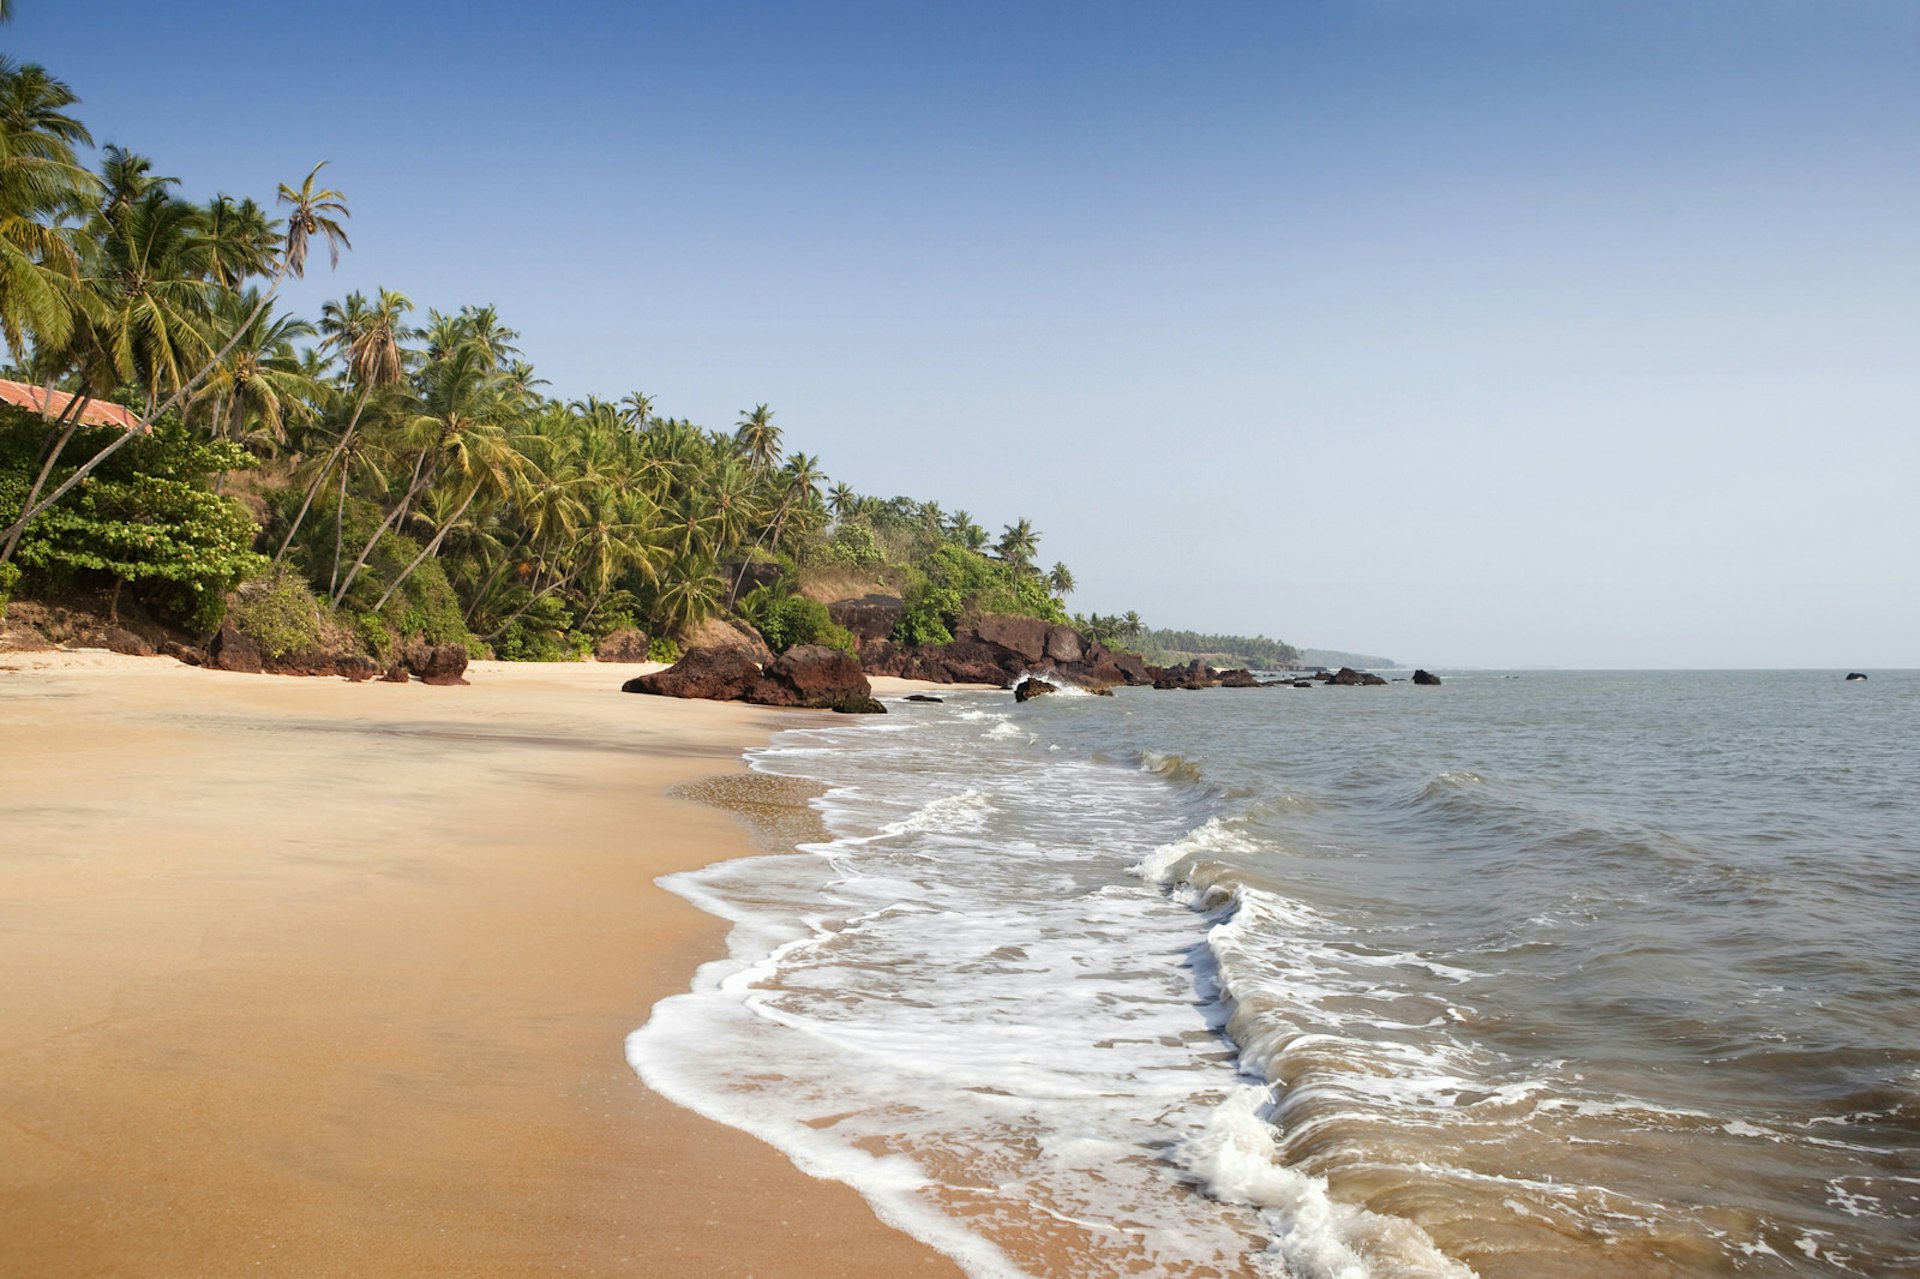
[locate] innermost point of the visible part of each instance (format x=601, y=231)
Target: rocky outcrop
x=185, y=654
x=924, y=697
x=1346, y=675
x=870, y=619
x=1242, y=678
x=1194, y=674
x=623, y=645
x=1426, y=677
x=807, y=675
x=1856, y=675
x=436, y=663
x=1001, y=651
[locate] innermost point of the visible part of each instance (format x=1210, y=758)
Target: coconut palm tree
x=1017, y=544
x=313, y=211
x=260, y=378
x=758, y=437
x=40, y=181
x=1060, y=579
x=241, y=241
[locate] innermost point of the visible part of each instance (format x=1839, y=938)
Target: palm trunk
x=339, y=532
x=394, y=516
x=71, y=415
x=346, y=437
x=87, y=468
x=431, y=547
x=521, y=612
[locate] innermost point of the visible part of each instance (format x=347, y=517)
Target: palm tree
x=841, y=500
x=1017, y=544
x=260, y=377
x=315, y=212
x=758, y=437
x=241, y=241
x=639, y=407
x=40, y=180
x=369, y=338
x=1060, y=580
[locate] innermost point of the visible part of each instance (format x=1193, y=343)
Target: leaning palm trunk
x=421, y=478
x=346, y=438
x=71, y=415
x=33, y=510
x=432, y=547
x=518, y=613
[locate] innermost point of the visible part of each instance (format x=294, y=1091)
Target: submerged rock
x=924, y=697
x=1346, y=675
x=1027, y=690
x=1856, y=675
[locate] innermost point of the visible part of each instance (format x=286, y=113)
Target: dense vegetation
x=379, y=473
x=1255, y=651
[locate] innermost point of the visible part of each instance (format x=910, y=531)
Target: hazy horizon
x=1486, y=334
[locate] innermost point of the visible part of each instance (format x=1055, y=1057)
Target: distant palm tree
x=241, y=241
x=841, y=500
x=314, y=211
x=1060, y=580
x=758, y=437
x=1017, y=543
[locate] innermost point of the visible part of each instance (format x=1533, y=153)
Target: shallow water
x=1537, y=976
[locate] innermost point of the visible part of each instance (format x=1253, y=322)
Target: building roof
x=96, y=412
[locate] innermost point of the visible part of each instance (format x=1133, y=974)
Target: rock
x=871, y=618
x=118, y=639
x=437, y=663
x=721, y=632
x=1303, y=683
x=1194, y=674
x=623, y=645
x=857, y=706
x=182, y=653
x=1064, y=644
x=396, y=674
x=811, y=675
x=1024, y=636
x=717, y=674
x=924, y=697
x=1346, y=675
x=1856, y=675
x=1425, y=677
x=233, y=650
x=1236, y=679
x=1028, y=689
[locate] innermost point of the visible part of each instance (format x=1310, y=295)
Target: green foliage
x=145, y=518
x=282, y=614
x=1256, y=651
x=853, y=545
x=9, y=578
x=542, y=634
x=374, y=635
x=954, y=583
x=785, y=620
x=662, y=649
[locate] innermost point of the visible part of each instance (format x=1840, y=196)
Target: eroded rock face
x=1023, y=636
x=1425, y=677
x=811, y=675
x=870, y=618
x=1236, y=679
x=623, y=645
x=720, y=632
x=1194, y=674
x=1004, y=650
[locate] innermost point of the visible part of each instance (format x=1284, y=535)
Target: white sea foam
x=962, y=1007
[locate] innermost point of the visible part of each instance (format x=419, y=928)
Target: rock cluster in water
x=807, y=675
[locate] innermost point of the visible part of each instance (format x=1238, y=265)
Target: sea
x=1527, y=975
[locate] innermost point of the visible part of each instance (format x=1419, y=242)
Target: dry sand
x=302, y=977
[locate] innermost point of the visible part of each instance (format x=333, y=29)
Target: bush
x=663, y=649
x=787, y=620
x=854, y=545
x=282, y=615
x=9, y=578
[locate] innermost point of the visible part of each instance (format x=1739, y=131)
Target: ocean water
x=1522, y=976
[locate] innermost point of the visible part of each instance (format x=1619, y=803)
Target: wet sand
x=303, y=977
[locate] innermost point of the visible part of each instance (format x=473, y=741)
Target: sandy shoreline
x=312, y=978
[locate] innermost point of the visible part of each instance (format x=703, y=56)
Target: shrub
x=663, y=649
x=9, y=578
x=281, y=614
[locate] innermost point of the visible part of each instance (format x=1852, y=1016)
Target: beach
x=306, y=977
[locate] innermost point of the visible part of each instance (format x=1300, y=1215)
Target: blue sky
x=1478, y=333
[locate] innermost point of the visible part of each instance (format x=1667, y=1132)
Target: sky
x=1471, y=333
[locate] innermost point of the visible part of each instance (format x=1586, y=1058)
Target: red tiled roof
x=96, y=412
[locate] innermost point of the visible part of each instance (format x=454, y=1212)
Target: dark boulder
x=235, y=650
x=1426, y=677
x=716, y=674
x=1027, y=690
x=924, y=697
x=813, y=675
x=183, y=653
x=1856, y=675
x=443, y=664
x=1303, y=683
x=1347, y=676
x=1194, y=674
x=1242, y=678
x=118, y=639
x=396, y=674
x=623, y=645
x=870, y=619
